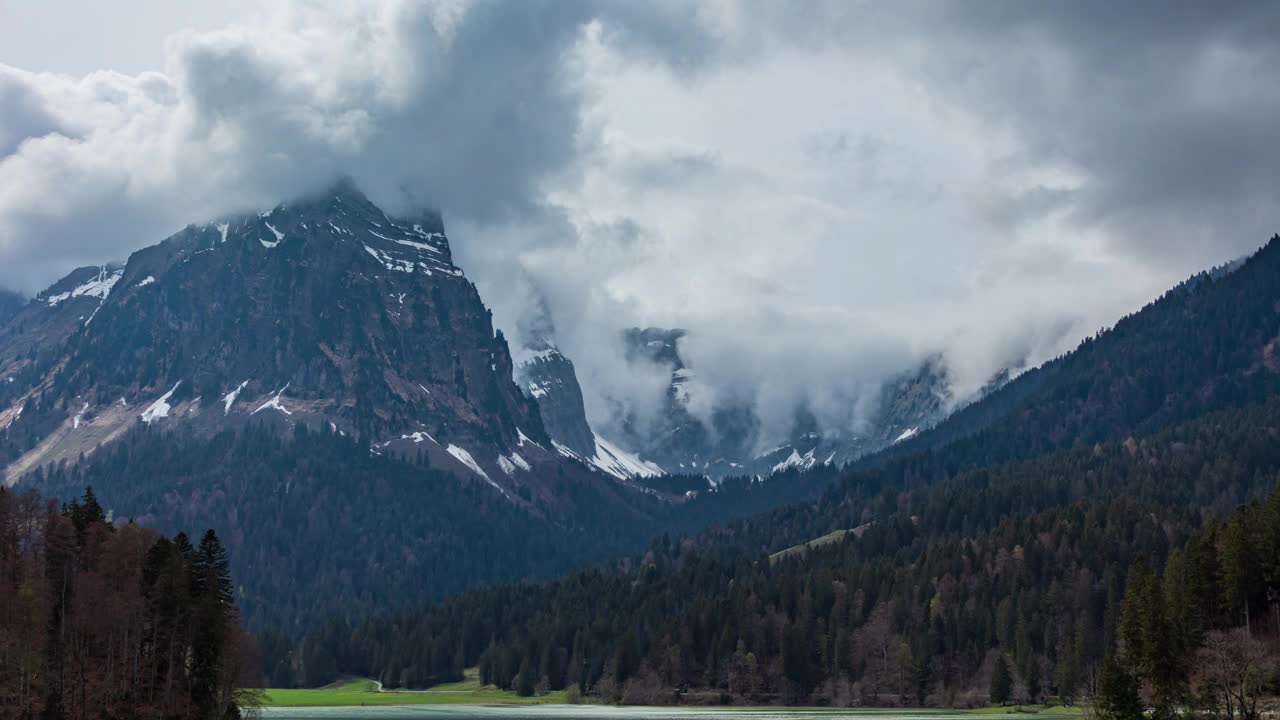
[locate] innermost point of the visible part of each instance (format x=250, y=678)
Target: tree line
x=100, y=620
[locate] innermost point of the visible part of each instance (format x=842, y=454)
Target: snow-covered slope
x=611, y=459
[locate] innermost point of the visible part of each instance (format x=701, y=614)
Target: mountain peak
x=345, y=187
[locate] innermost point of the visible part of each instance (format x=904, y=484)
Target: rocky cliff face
x=548, y=377
x=321, y=311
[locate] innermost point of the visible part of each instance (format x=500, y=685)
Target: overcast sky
x=824, y=193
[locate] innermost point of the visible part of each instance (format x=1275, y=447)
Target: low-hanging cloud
x=823, y=198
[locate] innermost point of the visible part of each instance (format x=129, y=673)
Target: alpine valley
x=399, y=490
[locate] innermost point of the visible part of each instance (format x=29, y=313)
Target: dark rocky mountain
x=548, y=376
x=320, y=312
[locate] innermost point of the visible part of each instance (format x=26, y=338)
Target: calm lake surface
x=596, y=712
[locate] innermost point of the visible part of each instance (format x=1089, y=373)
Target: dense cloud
x=823, y=198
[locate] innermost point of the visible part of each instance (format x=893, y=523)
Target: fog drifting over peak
x=822, y=198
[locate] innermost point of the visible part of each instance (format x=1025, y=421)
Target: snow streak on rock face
x=99, y=287
x=620, y=463
x=160, y=408
x=612, y=460
x=230, y=398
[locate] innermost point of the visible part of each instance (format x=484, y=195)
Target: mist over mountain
x=844, y=233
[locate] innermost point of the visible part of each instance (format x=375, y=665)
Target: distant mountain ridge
x=727, y=444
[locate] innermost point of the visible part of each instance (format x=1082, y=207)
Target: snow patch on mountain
x=98, y=287
x=160, y=408
x=506, y=465
x=906, y=435
x=274, y=403
x=230, y=398
x=613, y=460
x=392, y=263
x=796, y=460
x=620, y=463
x=520, y=462
x=510, y=464
x=465, y=458
x=525, y=439
x=410, y=243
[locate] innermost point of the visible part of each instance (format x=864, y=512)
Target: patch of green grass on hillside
x=362, y=691
x=831, y=537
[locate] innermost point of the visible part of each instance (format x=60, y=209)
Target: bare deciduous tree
x=1233, y=670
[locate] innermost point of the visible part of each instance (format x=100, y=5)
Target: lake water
x=599, y=712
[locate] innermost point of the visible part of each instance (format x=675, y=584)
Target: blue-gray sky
x=824, y=192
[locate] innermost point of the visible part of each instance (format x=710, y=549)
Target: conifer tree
x=215, y=613
x=1118, y=697
x=1001, y=681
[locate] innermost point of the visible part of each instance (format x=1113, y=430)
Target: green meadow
x=360, y=691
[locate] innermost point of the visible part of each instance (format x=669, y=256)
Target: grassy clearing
x=832, y=537
x=469, y=691
x=361, y=691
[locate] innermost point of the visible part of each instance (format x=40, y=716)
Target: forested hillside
x=1026, y=562
x=1207, y=345
x=105, y=621
x=321, y=528
x=1211, y=342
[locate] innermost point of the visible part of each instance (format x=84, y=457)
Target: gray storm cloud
x=823, y=198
